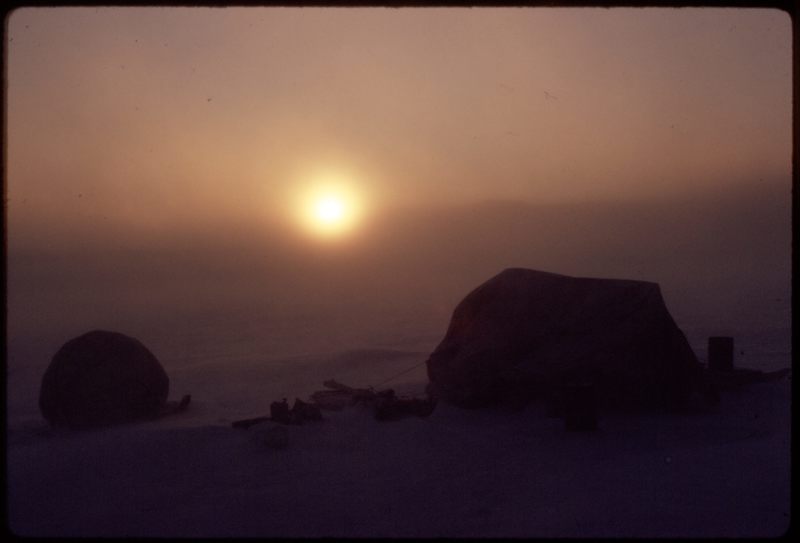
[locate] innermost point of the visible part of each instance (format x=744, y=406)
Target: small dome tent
x=102, y=378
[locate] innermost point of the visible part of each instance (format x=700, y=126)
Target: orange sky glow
x=171, y=165
x=163, y=116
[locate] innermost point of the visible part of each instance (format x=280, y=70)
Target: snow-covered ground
x=457, y=473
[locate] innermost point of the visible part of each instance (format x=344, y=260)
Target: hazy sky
x=159, y=116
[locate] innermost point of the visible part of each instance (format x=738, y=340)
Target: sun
x=331, y=209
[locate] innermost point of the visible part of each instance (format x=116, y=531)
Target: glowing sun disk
x=330, y=210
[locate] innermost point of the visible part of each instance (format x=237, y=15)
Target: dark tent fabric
x=525, y=333
x=102, y=378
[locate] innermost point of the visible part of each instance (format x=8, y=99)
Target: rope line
x=399, y=374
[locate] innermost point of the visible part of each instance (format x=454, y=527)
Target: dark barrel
x=720, y=353
x=580, y=407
